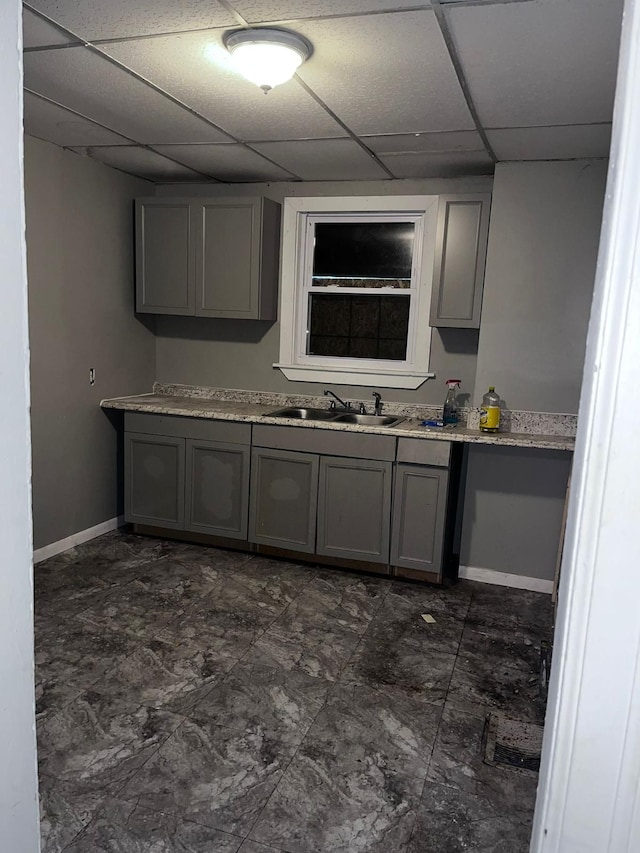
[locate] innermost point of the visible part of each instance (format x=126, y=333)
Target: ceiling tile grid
x=386, y=73
x=109, y=19
x=392, y=88
x=545, y=62
x=196, y=69
x=324, y=159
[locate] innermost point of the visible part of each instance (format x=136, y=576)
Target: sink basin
x=368, y=420
x=305, y=414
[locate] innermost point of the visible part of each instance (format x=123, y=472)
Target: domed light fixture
x=267, y=56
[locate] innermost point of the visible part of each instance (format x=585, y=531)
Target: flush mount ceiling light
x=267, y=56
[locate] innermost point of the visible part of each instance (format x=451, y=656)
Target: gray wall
x=18, y=779
x=543, y=246
x=240, y=354
x=80, y=271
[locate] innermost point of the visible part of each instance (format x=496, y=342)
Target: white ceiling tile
x=141, y=162
x=546, y=62
x=89, y=84
x=385, y=73
x=226, y=162
x=551, y=143
x=104, y=19
x=257, y=11
x=442, y=165
x=38, y=33
x=196, y=68
x=461, y=140
x=324, y=159
x=54, y=124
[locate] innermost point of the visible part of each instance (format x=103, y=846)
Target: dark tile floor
x=206, y=701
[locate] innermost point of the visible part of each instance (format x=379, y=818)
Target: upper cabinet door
x=461, y=250
x=236, y=261
x=165, y=257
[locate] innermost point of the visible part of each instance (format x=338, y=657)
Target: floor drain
x=512, y=743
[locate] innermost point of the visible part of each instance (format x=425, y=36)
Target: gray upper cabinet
x=165, y=257
x=354, y=507
x=461, y=250
x=208, y=257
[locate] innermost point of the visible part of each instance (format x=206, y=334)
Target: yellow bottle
x=490, y=411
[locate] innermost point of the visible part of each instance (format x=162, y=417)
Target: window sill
x=349, y=376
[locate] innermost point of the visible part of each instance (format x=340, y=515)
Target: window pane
x=363, y=254
x=353, y=326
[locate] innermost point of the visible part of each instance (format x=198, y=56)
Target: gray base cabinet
x=217, y=488
x=419, y=515
x=208, y=257
x=154, y=480
x=179, y=476
x=284, y=489
x=350, y=498
x=354, y=507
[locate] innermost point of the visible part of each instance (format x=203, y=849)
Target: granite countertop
x=201, y=406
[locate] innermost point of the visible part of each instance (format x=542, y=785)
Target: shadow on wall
x=513, y=509
x=207, y=329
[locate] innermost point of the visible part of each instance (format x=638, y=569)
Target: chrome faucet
x=345, y=406
x=377, y=409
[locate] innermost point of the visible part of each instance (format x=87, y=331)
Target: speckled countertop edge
x=258, y=412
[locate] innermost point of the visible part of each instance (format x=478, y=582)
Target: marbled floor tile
x=457, y=762
x=254, y=847
x=376, y=726
x=449, y=821
x=211, y=774
x=498, y=669
x=328, y=804
x=406, y=666
x=75, y=656
x=265, y=699
x=262, y=597
x=160, y=674
x=295, y=576
x=126, y=828
x=132, y=609
x=98, y=742
x=321, y=652
x=503, y=607
x=348, y=600
x=399, y=620
x=64, y=812
x=453, y=600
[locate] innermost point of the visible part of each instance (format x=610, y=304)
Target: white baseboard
x=77, y=539
x=472, y=573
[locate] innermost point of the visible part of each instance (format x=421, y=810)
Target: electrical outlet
x=92, y=376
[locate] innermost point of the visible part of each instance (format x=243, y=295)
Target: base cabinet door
x=284, y=490
x=217, y=488
x=354, y=506
x=419, y=514
x=154, y=480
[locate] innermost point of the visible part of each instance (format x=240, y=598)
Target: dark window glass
x=363, y=254
x=353, y=326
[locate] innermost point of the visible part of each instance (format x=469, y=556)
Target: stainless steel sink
x=368, y=420
x=306, y=414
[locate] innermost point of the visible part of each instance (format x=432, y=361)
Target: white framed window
x=355, y=290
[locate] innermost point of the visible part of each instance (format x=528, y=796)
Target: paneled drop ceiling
x=393, y=89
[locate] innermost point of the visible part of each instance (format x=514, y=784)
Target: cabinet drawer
x=422, y=451
x=182, y=427
x=308, y=440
